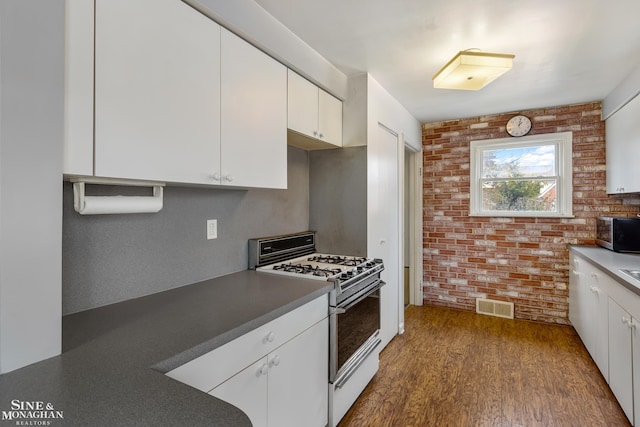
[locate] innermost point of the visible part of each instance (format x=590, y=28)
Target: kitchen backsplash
x=338, y=200
x=111, y=258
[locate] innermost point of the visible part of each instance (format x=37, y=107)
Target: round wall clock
x=518, y=125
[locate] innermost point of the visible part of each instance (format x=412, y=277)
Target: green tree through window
x=512, y=195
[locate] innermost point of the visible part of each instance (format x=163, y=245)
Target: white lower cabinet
x=277, y=373
x=286, y=388
x=247, y=390
x=621, y=351
x=589, y=288
x=606, y=315
x=624, y=350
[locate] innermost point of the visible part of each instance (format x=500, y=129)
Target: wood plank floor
x=459, y=369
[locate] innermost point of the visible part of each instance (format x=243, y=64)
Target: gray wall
x=111, y=258
x=31, y=135
x=338, y=201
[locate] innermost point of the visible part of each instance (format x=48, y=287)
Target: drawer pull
x=630, y=323
x=270, y=337
x=275, y=361
x=264, y=370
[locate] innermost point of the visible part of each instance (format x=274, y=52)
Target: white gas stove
x=354, y=308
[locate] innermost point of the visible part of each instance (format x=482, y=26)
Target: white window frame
x=564, y=162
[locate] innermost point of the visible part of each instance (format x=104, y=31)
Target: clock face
x=518, y=126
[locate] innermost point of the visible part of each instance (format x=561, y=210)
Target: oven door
x=354, y=331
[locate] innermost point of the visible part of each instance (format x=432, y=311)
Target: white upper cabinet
x=78, y=88
x=623, y=149
x=157, y=92
x=329, y=118
x=254, y=116
x=302, y=101
x=312, y=113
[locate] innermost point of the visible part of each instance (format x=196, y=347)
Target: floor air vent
x=494, y=308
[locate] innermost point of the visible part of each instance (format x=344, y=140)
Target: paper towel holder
x=95, y=205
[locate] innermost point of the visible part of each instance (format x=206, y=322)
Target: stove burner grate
x=337, y=259
x=307, y=269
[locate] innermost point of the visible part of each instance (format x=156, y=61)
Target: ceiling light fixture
x=472, y=70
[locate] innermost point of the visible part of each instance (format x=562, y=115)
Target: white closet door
x=383, y=223
x=157, y=91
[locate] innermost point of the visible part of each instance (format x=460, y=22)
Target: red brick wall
x=522, y=260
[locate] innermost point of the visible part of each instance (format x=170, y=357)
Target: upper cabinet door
x=314, y=116
x=254, y=116
x=302, y=105
x=623, y=149
x=329, y=118
x=78, y=88
x=157, y=92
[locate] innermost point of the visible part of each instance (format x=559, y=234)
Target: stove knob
x=343, y=276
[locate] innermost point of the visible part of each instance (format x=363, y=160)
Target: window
x=528, y=176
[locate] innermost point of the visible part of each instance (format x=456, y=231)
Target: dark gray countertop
x=612, y=262
x=111, y=370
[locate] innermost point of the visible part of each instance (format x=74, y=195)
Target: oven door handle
x=355, y=299
x=361, y=355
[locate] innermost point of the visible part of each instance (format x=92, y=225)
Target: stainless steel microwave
x=618, y=234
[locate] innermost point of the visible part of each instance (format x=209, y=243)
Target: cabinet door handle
x=315, y=133
x=270, y=337
x=264, y=370
x=320, y=135
x=594, y=289
x=216, y=176
x=630, y=323
x=275, y=361
x=228, y=177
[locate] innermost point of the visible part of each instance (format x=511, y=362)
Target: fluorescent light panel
x=470, y=70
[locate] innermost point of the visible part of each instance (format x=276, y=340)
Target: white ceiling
x=567, y=51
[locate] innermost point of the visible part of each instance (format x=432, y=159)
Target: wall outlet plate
x=212, y=229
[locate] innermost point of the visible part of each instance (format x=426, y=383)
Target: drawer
x=211, y=369
x=628, y=300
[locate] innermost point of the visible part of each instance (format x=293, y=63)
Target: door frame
x=415, y=222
